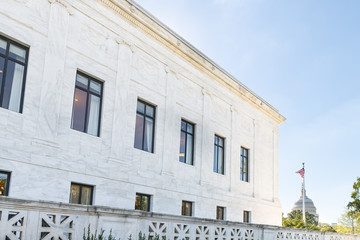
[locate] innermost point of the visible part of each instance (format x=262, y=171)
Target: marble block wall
x=136, y=57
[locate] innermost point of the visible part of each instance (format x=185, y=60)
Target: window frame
x=25, y=64
x=88, y=92
x=247, y=216
x=153, y=129
x=186, y=137
x=244, y=175
x=222, y=217
x=183, y=207
x=8, y=179
x=141, y=200
x=80, y=193
x=216, y=157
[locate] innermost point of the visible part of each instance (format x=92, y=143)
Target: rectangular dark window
x=87, y=105
x=142, y=202
x=186, y=154
x=13, y=65
x=144, y=127
x=81, y=194
x=187, y=208
x=247, y=215
x=220, y=213
x=4, y=183
x=244, y=165
x=219, y=154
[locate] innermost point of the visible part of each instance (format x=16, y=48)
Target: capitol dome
x=309, y=205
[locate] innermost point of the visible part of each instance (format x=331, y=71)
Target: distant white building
x=101, y=104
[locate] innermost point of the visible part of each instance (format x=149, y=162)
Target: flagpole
x=303, y=193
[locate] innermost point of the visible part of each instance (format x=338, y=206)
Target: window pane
x=215, y=158
x=3, y=46
x=137, y=202
x=220, y=161
x=17, y=53
x=79, y=110
x=93, y=115
x=13, y=86
x=139, y=131
x=82, y=81
x=188, y=209
x=145, y=202
x=140, y=107
x=183, y=125
x=190, y=128
x=189, y=149
x=3, y=183
x=74, y=193
x=148, y=134
x=221, y=141
x=182, y=147
x=149, y=111
x=86, y=194
x=2, y=63
x=95, y=87
x=220, y=213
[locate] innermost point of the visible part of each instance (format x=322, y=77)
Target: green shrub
x=95, y=236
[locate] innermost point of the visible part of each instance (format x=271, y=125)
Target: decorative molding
x=197, y=59
x=132, y=9
x=22, y=1
x=276, y=131
x=122, y=41
x=204, y=91
x=66, y=5
x=167, y=69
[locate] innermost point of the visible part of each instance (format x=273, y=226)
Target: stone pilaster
x=121, y=109
x=169, y=145
x=205, y=156
x=275, y=165
x=253, y=172
x=53, y=75
x=232, y=170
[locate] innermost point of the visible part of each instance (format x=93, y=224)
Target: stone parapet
x=30, y=220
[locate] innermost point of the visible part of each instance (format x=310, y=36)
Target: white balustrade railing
x=34, y=220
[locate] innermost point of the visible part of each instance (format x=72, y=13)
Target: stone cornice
x=143, y=20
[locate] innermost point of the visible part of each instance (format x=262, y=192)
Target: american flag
x=301, y=172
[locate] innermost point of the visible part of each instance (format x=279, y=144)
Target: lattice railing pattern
x=235, y=234
x=33, y=224
x=12, y=224
x=312, y=236
x=158, y=229
x=181, y=231
x=56, y=226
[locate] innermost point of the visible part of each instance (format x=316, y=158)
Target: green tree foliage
x=294, y=220
x=326, y=228
x=349, y=223
x=354, y=205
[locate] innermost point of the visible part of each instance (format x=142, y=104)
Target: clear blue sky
x=302, y=56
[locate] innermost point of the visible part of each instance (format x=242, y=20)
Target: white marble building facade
x=135, y=57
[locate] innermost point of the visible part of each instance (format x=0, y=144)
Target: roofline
x=177, y=36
